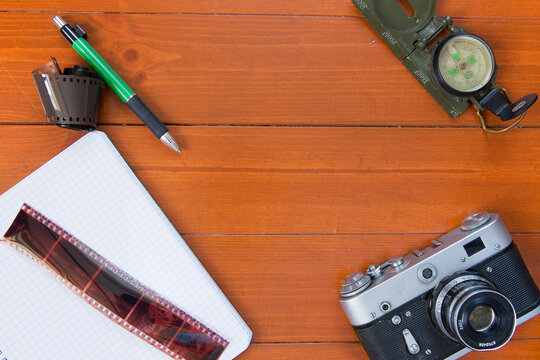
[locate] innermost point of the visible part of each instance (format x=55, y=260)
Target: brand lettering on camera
x=483, y=345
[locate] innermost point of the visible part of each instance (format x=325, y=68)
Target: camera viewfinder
x=474, y=246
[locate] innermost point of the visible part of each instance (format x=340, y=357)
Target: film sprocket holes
x=70, y=99
x=458, y=69
x=110, y=290
x=467, y=291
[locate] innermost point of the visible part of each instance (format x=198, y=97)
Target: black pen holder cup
x=70, y=100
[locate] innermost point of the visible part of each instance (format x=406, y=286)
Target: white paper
x=90, y=191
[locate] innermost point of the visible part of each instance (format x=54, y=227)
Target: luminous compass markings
x=461, y=65
x=465, y=63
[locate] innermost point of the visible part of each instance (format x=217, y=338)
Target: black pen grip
x=148, y=118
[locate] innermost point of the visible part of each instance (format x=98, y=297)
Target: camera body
x=467, y=291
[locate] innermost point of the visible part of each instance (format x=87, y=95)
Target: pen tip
x=169, y=141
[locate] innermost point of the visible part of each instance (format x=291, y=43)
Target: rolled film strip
x=110, y=290
x=71, y=98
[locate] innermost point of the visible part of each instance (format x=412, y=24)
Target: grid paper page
x=89, y=190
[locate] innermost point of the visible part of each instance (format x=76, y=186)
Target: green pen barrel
x=112, y=79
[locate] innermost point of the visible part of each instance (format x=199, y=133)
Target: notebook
x=90, y=191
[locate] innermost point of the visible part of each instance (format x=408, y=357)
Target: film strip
x=110, y=290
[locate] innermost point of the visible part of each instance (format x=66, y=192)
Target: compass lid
x=395, y=15
x=397, y=23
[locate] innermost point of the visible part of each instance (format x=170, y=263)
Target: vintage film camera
x=467, y=291
x=458, y=69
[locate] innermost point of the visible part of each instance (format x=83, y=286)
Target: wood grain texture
x=484, y=9
x=309, y=151
x=200, y=69
x=522, y=349
x=295, y=180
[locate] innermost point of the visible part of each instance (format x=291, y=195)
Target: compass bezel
x=437, y=76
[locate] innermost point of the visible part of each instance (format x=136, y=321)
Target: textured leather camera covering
x=512, y=278
x=384, y=340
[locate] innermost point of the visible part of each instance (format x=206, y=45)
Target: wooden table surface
x=309, y=151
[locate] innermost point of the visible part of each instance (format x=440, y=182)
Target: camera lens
x=469, y=309
x=481, y=318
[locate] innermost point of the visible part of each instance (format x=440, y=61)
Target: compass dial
x=463, y=64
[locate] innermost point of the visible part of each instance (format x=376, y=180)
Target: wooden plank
x=290, y=149
x=286, y=292
x=349, y=351
x=253, y=69
x=244, y=180
x=219, y=202
x=519, y=349
x=485, y=9
x=522, y=349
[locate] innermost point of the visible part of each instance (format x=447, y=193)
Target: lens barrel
x=469, y=309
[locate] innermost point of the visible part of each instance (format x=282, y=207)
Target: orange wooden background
x=309, y=151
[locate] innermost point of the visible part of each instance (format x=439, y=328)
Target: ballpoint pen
x=76, y=37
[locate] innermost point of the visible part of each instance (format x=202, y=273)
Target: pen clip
x=79, y=31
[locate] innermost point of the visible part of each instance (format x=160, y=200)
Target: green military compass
x=457, y=71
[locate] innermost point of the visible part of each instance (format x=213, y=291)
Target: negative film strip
x=111, y=291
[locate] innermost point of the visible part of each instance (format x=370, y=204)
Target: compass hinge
x=436, y=26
